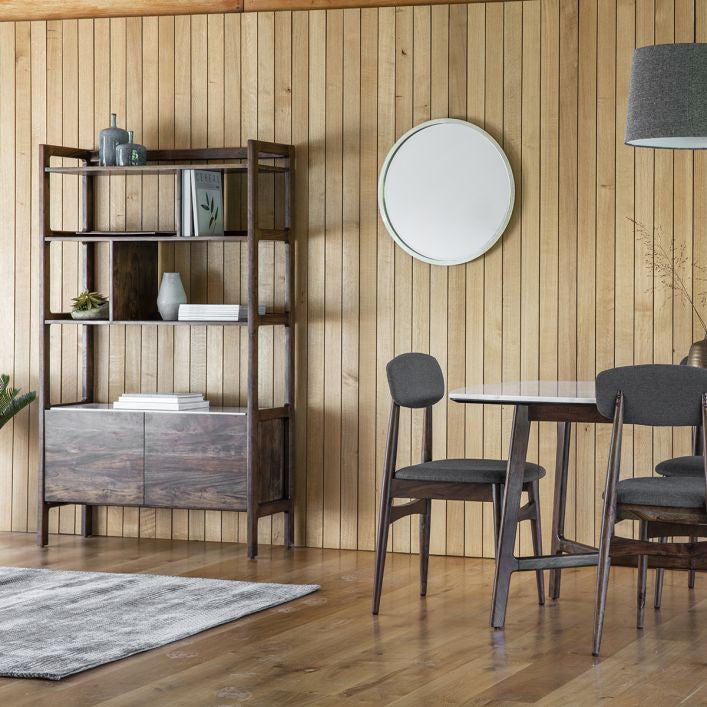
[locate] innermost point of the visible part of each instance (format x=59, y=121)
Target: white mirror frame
x=400, y=240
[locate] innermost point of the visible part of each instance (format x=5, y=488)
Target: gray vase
x=130, y=154
x=108, y=140
x=170, y=296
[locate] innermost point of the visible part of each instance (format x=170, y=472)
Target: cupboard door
x=195, y=460
x=94, y=457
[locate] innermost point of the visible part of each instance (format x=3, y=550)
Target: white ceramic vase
x=170, y=296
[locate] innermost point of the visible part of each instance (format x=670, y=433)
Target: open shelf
x=105, y=407
x=264, y=413
x=272, y=319
x=163, y=168
x=264, y=234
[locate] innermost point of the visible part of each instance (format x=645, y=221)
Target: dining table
x=563, y=402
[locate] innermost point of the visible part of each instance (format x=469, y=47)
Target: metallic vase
x=698, y=354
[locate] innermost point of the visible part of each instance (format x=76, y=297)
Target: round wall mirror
x=446, y=191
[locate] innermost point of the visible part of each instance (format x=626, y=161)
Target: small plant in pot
x=11, y=402
x=90, y=305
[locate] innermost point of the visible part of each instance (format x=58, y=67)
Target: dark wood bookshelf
x=238, y=459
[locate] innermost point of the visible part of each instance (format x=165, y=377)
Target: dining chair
x=416, y=381
x=679, y=467
x=653, y=395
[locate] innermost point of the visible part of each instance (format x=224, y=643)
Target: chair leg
x=425, y=524
x=536, y=531
x=381, y=546
x=642, y=575
x=691, y=573
x=603, y=568
x=659, y=576
x=497, y=503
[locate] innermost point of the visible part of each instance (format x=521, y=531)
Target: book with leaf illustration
x=207, y=196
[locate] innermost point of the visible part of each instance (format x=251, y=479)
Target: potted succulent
x=90, y=305
x=11, y=402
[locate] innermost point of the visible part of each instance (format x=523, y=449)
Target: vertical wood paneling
x=493, y=259
x=456, y=304
x=549, y=192
x=439, y=107
x=7, y=248
x=403, y=265
x=368, y=449
x=530, y=209
x=315, y=279
x=333, y=267
x=586, y=257
x=350, y=293
x=564, y=293
x=474, y=325
x=23, y=268
x=385, y=274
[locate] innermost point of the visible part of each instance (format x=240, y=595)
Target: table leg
x=506, y=561
x=560, y=500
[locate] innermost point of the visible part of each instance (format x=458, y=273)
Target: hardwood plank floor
x=327, y=649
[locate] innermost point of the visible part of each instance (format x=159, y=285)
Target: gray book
x=207, y=202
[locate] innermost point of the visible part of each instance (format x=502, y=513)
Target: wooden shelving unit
x=236, y=459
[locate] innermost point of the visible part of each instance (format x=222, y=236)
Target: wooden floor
x=327, y=649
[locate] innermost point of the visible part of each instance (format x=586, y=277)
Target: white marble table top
x=531, y=391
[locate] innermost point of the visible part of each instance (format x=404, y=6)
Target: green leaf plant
x=87, y=301
x=11, y=402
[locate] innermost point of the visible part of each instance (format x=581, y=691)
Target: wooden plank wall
x=564, y=293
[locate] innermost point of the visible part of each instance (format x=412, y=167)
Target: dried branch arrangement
x=670, y=267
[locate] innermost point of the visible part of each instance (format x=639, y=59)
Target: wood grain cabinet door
x=94, y=457
x=195, y=461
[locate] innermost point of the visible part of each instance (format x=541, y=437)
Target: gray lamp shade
x=667, y=99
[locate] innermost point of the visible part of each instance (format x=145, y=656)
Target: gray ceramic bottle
x=108, y=139
x=130, y=153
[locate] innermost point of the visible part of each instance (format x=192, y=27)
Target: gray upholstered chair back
x=654, y=394
x=415, y=380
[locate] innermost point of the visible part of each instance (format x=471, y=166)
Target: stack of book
x=215, y=312
x=170, y=402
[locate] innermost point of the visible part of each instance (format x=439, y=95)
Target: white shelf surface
x=104, y=407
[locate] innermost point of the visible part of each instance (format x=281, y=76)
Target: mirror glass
x=446, y=191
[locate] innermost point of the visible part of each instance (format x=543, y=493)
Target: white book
x=207, y=202
x=187, y=215
x=206, y=309
x=166, y=398
x=175, y=407
x=162, y=396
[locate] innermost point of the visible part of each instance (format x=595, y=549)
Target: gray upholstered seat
x=671, y=491
x=682, y=466
x=468, y=471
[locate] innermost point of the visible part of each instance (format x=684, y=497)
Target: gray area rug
x=55, y=623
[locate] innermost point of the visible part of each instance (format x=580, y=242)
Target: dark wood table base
x=565, y=553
